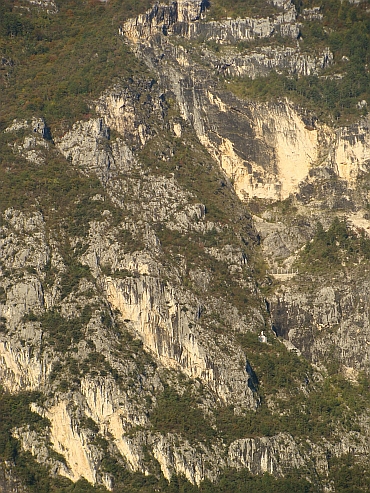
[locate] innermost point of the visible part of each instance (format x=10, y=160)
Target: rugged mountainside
x=146, y=246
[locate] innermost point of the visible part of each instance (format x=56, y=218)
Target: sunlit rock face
x=267, y=150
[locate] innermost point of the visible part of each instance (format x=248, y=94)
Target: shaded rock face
x=331, y=321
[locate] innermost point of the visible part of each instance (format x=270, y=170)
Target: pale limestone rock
x=161, y=17
x=68, y=440
x=189, y=10
x=34, y=443
x=36, y=125
x=178, y=18
x=85, y=145
x=21, y=299
x=123, y=110
x=195, y=465
x=177, y=129
x=23, y=241
x=21, y=368
x=312, y=14
x=260, y=62
x=35, y=143
x=161, y=199
x=351, y=152
x=267, y=454
x=285, y=145
x=174, y=337
x=114, y=413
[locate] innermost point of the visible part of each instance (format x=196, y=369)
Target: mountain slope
x=153, y=224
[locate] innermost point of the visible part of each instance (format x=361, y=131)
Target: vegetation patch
x=349, y=476
x=61, y=332
x=58, y=63
x=180, y=414
x=330, y=250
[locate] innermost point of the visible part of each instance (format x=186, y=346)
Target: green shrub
x=180, y=414
x=61, y=332
x=329, y=249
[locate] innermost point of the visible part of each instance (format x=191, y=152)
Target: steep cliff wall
x=180, y=18
x=267, y=150
x=166, y=318
x=331, y=320
x=76, y=352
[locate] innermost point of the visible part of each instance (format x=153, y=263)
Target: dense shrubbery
x=59, y=62
x=219, y=9
x=62, y=332
x=314, y=411
x=15, y=412
x=349, y=476
x=330, y=249
x=180, y=414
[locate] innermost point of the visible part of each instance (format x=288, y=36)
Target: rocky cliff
x=184, y=288
x=273, y=147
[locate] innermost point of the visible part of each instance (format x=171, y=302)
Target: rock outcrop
x=267, y=150
x=181, y=18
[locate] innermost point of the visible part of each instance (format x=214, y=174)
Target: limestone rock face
x=176, y=339
x=351, y=153
x=115, y=369
x=166, y=319
x=127, y=267
x=131, y=110
x=72, y=442
x=266, y=149
x=261, y=455
x=260, y=62
x=182, y=18
x=23, y=246
x=162, y=17
x=35, y=143
x=20, y=368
